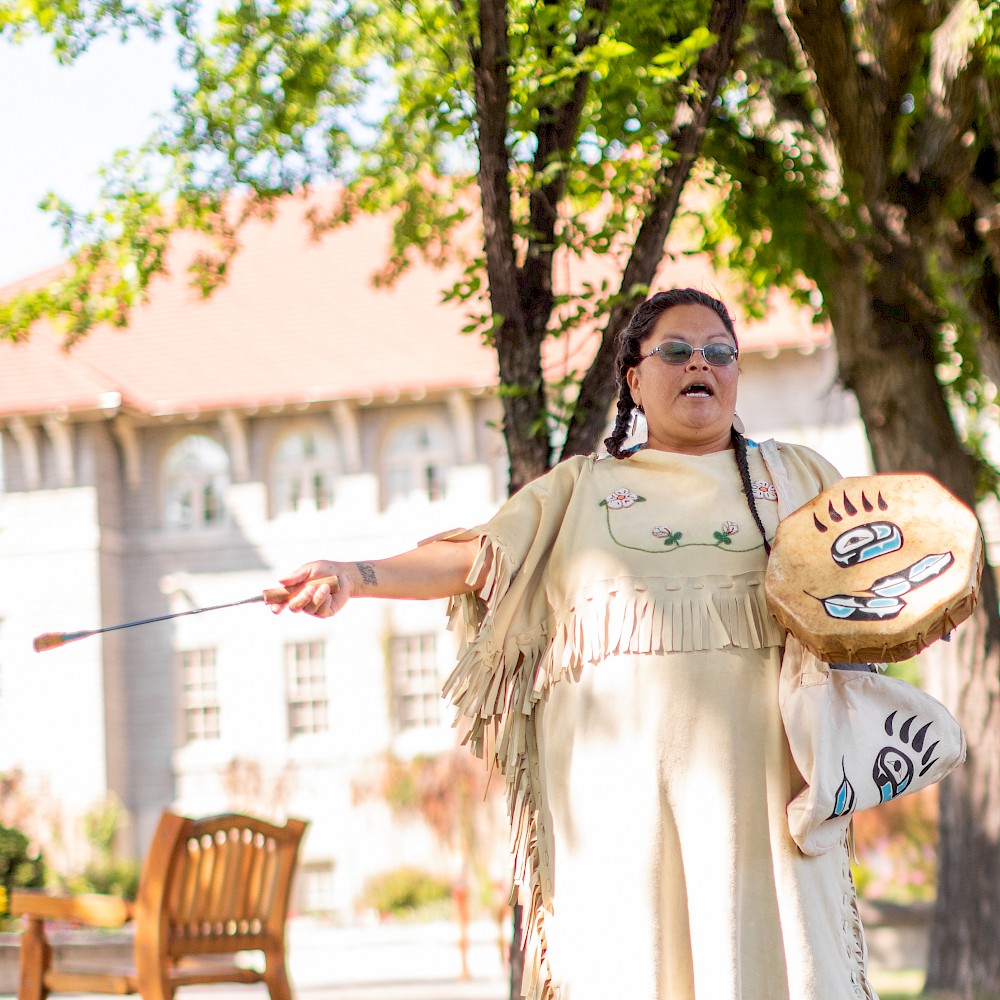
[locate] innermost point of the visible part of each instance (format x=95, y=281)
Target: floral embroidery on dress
x=723, y=537
x=763, y=490
x=621, y=498
x=669, y=537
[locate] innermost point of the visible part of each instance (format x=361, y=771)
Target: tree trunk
x=518, y=347
x=516, y=953
x=885, y=339
x=964, y=958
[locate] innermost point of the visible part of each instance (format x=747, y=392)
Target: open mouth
x=699, y=390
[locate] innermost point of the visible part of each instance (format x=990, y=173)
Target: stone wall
x=897, y=934
x=76, y=949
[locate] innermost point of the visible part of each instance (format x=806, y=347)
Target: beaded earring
x=635, y=421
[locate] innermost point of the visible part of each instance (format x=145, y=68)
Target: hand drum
x=875, y=568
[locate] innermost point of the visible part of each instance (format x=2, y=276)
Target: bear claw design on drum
x=863, y=542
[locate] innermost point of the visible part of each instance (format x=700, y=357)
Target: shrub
x=109, y=878
x=106, y=873
x=20, y=868
x=403, y=890
x=896, y=845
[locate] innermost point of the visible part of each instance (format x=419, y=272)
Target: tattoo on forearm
x=367, y=571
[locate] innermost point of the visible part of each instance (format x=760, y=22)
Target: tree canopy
x=579, y=121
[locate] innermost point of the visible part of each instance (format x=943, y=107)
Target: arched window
x=305, y=466
x=196, y=471
x=416, y=456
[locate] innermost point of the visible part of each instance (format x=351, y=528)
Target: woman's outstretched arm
x=437, y=569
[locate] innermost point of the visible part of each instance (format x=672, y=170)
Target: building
x=192, y=459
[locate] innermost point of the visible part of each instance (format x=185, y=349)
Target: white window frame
x=416, y=681
x=201, y=710
x=416, y=457
x=315, y=886
x=301, y=481
x=195, y=489
x=306, y=698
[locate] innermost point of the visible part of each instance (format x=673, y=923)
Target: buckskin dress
x=621, y=665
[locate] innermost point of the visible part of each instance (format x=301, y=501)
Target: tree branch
x=556, y=135
x=597, y=388
x=862, y=91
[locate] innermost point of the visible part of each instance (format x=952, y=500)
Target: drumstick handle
x=279, y=595
x=52, y=640
x=274, y=595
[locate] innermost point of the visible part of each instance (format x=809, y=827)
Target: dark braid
x=621, y=429
x=639, y=327
x=740, y=446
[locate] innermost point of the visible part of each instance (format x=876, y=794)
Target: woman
x=623, y=667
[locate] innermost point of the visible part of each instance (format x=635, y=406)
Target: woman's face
x=689, y=407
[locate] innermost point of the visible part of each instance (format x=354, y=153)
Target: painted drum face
x=849, y=607
x=913, y=576
x=866, y=541
x=875, y=568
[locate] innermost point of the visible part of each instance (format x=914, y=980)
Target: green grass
x=901, y=984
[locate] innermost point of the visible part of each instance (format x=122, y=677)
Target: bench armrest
x=89, y=908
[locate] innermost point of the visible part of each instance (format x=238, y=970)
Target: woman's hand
x=319, y=588
x=322, y=588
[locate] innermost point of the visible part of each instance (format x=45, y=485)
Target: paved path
x=397, y=961
x=420, y=962
x=430, y=989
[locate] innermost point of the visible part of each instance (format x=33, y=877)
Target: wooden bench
x=209, y=888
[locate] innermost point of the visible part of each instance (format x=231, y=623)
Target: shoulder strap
x=788, y=497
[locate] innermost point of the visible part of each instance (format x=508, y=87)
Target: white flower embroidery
x=764, y=491
x=730, y=527
x=669, y=537
x=621, y=498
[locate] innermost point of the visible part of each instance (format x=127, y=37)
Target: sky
x=59, y=125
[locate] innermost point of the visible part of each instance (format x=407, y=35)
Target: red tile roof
x=299, y=320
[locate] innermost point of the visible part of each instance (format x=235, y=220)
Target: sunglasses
x=677, y=352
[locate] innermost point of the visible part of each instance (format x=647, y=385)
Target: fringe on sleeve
x=491, y=688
